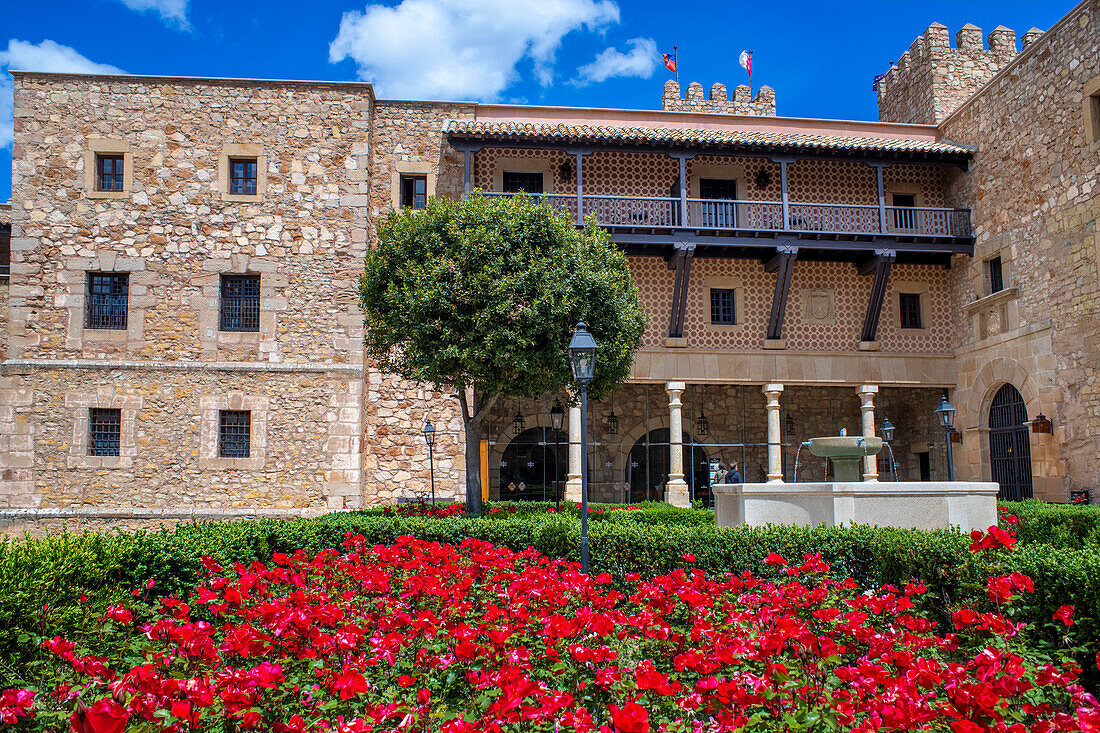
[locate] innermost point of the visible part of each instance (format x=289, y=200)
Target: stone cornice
x=182, y=366
x=1000, y=296
x=197, y=80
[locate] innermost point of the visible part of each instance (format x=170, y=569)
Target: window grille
x=515, y=182
x=108, y=169
x=414, y=192
x=107, y=297
x=240, y=303
x=996, y=275
x=910, y=310
x=242, y=176
x=722, y=308
x=104, y=431
x=234, y=428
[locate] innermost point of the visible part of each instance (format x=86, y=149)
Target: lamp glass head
x=582, y=354
x=945, y=413
x=557, y=415
x=429, y=433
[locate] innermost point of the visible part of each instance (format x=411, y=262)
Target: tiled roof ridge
x=552, y=130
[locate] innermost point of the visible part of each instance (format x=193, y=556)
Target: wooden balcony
x=715, y=218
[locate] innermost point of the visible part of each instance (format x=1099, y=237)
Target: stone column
x=676, y=492
x=573, y=479
x=775, y=439
x=867, y=394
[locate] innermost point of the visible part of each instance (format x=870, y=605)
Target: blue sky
x=819, y=56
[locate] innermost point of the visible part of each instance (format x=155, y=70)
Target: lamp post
x=557, y=420
x=945, y=414
x=582, y=357
x=887, y=431
x=429, y=438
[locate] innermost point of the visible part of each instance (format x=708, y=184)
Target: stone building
x=181, y=325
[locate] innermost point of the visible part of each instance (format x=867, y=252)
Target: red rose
x=631, y=718
x=688, y=557
x=1065, y=615
x=966, y=726
x=104, y=716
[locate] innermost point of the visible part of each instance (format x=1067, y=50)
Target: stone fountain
x=849, y=500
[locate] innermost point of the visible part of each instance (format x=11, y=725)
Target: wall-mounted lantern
x=1042, y=424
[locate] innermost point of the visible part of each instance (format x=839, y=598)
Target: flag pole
x=676, y=62
x=750, y=75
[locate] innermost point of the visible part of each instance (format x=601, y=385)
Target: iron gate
x=1010, y=444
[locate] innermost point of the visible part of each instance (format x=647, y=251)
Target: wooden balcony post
x=580, y=188
x=466, y=170
x=881, y=199
x=683, y=190
x=786, y=198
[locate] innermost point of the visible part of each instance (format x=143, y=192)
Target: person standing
x=719, y=476
x=734, y=476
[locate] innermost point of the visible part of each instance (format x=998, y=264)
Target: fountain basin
x=905, y=504
x=846, y=453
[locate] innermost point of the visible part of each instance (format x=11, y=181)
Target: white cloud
x=639, y=61
x=461, y=49
x=169, y=10
x=46, y=56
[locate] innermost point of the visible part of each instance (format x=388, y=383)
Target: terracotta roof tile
x=741, y=139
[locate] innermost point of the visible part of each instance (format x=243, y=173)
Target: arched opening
x=534, y=467
x=647, y=467
x=1010, y=444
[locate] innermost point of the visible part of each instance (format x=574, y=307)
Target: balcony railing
x=766, y=216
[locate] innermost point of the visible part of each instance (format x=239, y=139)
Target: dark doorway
x=1010, y=444
x=718, y=208
x=925, y=466
x=648, y=464
x=529, y=469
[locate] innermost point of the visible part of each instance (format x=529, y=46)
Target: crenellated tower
x=718, y=101
x=932, y=78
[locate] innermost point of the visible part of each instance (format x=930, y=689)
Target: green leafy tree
x=481, y=297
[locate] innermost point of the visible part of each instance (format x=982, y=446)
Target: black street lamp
x=945, y=414
x=582, y=356
x=557, y=420
x=887, y=432
x=429, y=438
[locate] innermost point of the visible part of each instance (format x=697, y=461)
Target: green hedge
x=54, y=570
x=1073, y=526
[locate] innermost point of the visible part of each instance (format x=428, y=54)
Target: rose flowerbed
x=419, y=635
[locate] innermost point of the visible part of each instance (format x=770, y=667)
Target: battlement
x=718, y=101
x=932, y=78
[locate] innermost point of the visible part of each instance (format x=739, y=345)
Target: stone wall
x=175, y=228
x=718, y=100
x=407, y=137
x=1033, y=188
x=933, y=78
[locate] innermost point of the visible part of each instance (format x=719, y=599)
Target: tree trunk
x=473, y=464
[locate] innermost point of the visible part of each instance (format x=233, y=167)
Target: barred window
x=722, y=309
x=104, y=428
x=107, y=296
x=234, y=428
x=240, y=303
x=242, y=176
x=910, y=310
x=108, y=172
x=996, y=275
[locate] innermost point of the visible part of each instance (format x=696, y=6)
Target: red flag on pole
x=670, y=62
x=746, y=63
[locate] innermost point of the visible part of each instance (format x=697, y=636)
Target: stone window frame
x=210, y=408
x=74, y=296
x=79, y=403
x=273, y=300
x=1091, y=110
x=545, y=166
x=724, y=282
x=242, y=150
x=406, y=168
x=915, y=287
x=103, y=146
